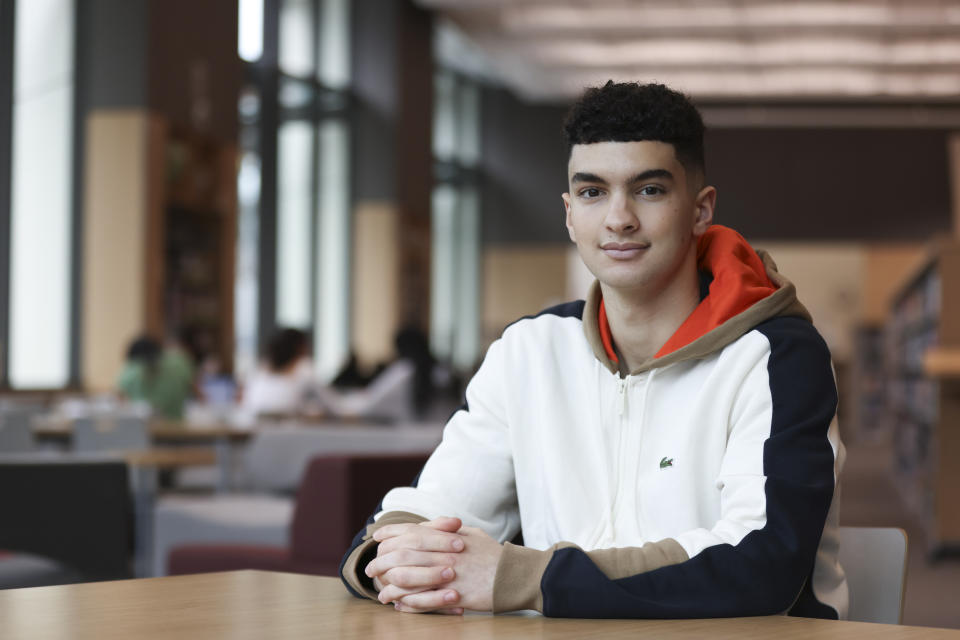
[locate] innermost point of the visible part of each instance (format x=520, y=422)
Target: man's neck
x=642, y=322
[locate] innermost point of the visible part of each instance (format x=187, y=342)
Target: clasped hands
x=438, y=566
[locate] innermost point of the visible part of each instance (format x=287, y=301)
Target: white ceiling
x=725, y=50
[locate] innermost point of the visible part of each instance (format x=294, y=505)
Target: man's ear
x=704, y=205
x=566, y=207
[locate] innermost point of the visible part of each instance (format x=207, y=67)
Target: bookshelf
x=867, y=381
x=923, y=360
x=191, y=238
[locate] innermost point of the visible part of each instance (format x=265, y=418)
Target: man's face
x=632, y=214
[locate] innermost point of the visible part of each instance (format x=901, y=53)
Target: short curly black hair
x=630, y=111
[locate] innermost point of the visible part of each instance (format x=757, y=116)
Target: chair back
x=338, y=494
x=875, y=562
x=76, y=513
x=16, y=431
x=110, y=433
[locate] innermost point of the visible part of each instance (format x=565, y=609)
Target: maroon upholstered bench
x=335, y=498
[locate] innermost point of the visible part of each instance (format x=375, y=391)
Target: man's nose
x=621, y=217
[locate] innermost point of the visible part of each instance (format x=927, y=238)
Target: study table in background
x=260, y=604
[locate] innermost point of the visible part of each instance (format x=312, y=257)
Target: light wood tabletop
x=171, y=457
x=160, y=431
x=260, y=604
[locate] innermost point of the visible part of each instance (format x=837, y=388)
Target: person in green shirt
x=161, y=377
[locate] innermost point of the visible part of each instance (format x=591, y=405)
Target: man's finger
x=393, y=593
x=441, y=596
x=452, y=611
x=392, y=530
x=411, y=577
x=422, y=540
x=431, y=600
x=408, y=558
x=443, y=523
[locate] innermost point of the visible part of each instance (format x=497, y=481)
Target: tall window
x=39, y=210
x=295, y=172
x=455, y=287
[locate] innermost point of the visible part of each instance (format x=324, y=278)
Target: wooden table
x=224, y=438
x=260, y=604
x=161, y=431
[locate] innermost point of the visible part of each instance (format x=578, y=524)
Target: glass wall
x=455, y=269
x=296, y=133
x=41, y=195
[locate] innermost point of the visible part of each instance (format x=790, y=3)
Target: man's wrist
x=358, y=559
x=517, y=582
x=353, y=569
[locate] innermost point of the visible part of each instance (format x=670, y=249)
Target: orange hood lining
x=739, y=281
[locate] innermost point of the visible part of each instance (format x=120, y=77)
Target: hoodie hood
x=744, y=290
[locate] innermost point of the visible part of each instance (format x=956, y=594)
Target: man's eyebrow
x=651, y=173
x=585, y=176
x=581, y=176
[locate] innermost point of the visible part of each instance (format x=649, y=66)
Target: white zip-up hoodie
x=701, y=484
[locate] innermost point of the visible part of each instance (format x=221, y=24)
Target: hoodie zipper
x=623, y=397
x=629, y=445
x=622, y=385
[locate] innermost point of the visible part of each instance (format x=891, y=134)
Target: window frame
x=267, y=78
x=7, y=22
x=463, y=178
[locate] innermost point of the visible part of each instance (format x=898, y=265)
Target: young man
x=669, y=446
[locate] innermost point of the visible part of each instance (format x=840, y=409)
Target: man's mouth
x=624, y=250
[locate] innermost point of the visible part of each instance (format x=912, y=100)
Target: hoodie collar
x=745, y=289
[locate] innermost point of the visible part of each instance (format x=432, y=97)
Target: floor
x=869, y=498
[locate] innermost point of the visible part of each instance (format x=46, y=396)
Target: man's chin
x=624, y=283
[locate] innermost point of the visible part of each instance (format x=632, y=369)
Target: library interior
x=253, y=252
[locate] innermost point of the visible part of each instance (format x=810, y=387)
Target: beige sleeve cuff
x=517, y=583
x=367, y=551
x=520, y=570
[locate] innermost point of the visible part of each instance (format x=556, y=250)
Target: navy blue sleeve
x=768, y=571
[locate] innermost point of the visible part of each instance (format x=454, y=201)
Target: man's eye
x=651, y=190
x=590, y=192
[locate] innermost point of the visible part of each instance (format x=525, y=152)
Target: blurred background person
x=399, y=390
x=158, y=376
x=284, y=382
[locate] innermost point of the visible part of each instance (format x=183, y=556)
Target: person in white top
x=285, y=382
x=668, y=447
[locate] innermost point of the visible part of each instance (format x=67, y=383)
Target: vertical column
x=114, y=242
x=6, y=119
x=953, y=152
x=269, y=113
x=80, y=47
x=111, y=66
x=392, y=169
x=414, y=162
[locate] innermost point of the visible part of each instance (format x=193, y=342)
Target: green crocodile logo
x=666, y=462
